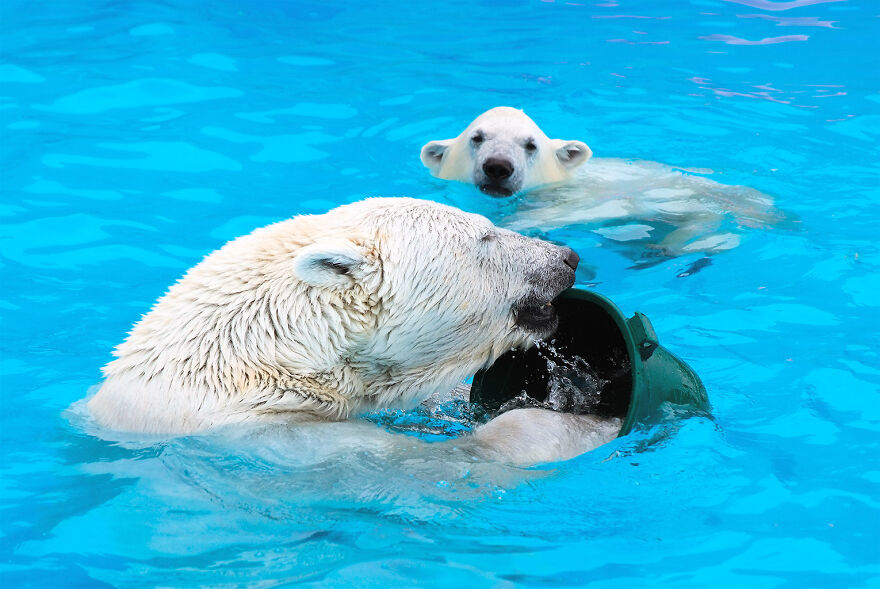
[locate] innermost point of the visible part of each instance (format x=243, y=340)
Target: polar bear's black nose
x=570, y=257
x=497, y=169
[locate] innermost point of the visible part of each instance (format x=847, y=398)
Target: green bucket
x=635, y=374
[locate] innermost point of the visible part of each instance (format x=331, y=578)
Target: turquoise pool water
x=138, y=136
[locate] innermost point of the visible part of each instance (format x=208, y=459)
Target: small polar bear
x=376, y=304
x=650, y=205
x=503, y=152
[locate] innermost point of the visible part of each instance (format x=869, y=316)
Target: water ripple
x=137, y=94
x=778, y=6
x=170, y=156
x=139, y=136
x=731, y=40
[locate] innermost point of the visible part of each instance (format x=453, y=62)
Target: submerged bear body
x=654, y=210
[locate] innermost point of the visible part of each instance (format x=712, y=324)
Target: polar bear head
x=502, y=152
x=445, y=291
x=374, y=304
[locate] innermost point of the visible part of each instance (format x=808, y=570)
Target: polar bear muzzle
x=535, y=312
x=496, y=179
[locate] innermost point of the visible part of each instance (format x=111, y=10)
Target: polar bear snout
x=535, y=312
x=497, y=176
x=561, y=274
x=570, y=258
x=497, y=169
x=557, y=274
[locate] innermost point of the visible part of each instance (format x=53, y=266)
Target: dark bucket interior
x=586, y=331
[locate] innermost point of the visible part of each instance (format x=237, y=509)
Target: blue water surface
x=139, y=136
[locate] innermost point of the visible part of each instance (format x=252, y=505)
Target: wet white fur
x=631, y=201
x=533, y=436
x=521, y=437
x=506, y=129
x=374, y=304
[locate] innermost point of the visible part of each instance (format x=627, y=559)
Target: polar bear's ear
x=433, y=152
x=328, y=263
x=571, y=154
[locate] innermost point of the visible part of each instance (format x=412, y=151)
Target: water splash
x=573, y=386
x=432, y=420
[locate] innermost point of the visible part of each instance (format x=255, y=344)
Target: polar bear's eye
x=531, y=146
x=487, y=237
x=477, y=138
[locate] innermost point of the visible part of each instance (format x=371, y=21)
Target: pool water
x=139, y=136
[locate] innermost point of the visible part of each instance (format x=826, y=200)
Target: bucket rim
x=632, y=346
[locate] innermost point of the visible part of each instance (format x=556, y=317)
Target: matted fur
x=374, y=304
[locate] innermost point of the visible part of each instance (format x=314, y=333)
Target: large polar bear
x=655, y=207
x=374, y=304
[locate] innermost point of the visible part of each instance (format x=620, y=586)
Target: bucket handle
x=643, y=334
